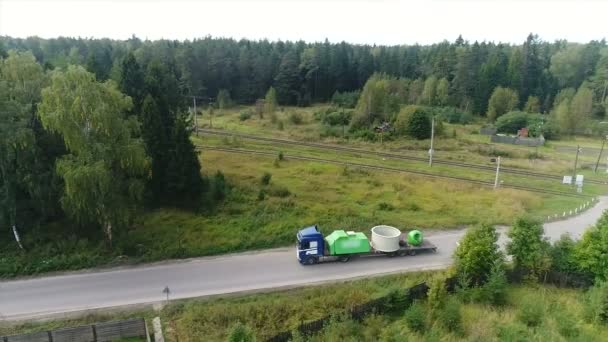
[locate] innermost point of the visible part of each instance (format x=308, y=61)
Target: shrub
x=437, y=294
x=450, y=316
x=246, y=115
x=385, y=206
x=415, y=317
x=280, y=125
x=419, y=125
x=347, y=99
x=281, y=156
x=530, y=312
x=454, y=115
x=537, y=124
x=596, y=304
x=280, y=191
x=396, y=300
x=266, y=178
x=261, y=195
x=513, y=332
x=566, y=324
x=241, y=333
x=218, y=187
x=295, y=118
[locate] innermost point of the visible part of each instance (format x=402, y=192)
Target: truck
x=313, y=247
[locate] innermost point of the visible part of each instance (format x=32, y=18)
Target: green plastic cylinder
x=414, y=238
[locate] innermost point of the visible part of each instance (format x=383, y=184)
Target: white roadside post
x=497, y=172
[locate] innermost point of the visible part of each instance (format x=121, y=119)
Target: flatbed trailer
x=310, y=251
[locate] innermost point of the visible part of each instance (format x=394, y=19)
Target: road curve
x=57, y=295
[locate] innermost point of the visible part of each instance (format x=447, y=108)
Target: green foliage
x=103, y=172
x=266, y=178
x=437, y=294
x=223, y=99
x=270, y=101
x=532, y=105
x=378, y=101
x=453, y=115
x=591, y=253
x=245, y=115
x=219, y=187
x=562, y=255
x=413, y=121
x=347, y=99
x=429, y=91
x=567, y=326
x=503, y=100
x=477, y=253
x=415, y=317
x=295, y=118
x=241, y=333
x=537, y=124
x=596, y=304
x=281, y=157
x=450, y=315
x=287, y=80
x=442, y=96
x=528, y=246
x=334, y=117
x=132, y=81
x=530, y=312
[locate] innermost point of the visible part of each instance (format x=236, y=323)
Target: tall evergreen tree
x=132, y=81
x=287, y=81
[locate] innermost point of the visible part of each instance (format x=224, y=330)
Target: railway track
x=395, y=156
x=393, y=169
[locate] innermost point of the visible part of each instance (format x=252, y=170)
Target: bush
x=450, y=316
x=280, y=125
x=295, y=118
x=530, y=312
x=261, y=195
x=415, y=317
x=537, y=124
x=279, y=191
x=437, y=294
x=385, y=206
x=513, y=332
x=246, y=115
x=241, y=333
x=266, y=178
x=281, y=157
x=454, y=115
x=596, y=304
x=347, y=99
x=566, y=324
x=396, y=300
x=219, y=186
x=418, y=124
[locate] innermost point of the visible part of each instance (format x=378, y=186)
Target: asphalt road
x=74, y=292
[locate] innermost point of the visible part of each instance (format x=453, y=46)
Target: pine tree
x=157, y=145
x=287, y=81
x=184, y=181
x=132, y=81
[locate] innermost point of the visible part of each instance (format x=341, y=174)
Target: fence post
x=94, y=332
x=50, y=333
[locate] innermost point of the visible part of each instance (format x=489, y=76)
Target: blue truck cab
x=310, y=246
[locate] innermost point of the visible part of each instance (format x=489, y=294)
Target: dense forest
x=303, y=73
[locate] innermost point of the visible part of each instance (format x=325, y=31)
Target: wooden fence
x=99, y=332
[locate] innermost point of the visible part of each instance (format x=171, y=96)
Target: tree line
x=89, y=150
x=460, y=73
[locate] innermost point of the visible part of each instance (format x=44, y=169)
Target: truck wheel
x=310, y=261
x=344, y=258
x=412, y=253
x=401, y=253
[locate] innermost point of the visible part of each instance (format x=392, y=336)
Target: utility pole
x=600, y=155
x=578, y=149
x=497, y=172
x=432, y=140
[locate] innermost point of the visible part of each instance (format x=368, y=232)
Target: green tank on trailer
x=340, y=242
x=414, y=238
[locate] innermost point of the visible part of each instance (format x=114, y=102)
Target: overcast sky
x=357, y=21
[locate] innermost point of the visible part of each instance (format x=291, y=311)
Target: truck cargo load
x=341, y=242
